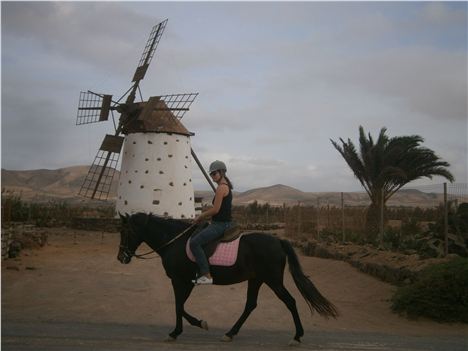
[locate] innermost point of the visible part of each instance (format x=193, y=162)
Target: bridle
x=126, y=250
x=129, y=254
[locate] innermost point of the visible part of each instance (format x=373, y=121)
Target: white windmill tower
x=155, y=175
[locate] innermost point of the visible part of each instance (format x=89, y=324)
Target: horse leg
x=182, y=291
x=194, y=321
x=284, y=295
x=191, y=319
x=251, y=303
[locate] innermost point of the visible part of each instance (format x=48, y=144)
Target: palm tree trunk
x=372, y=223
x=373, y=216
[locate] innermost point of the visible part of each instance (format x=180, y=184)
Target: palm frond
x=390, y=163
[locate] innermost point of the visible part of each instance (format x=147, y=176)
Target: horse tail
x=315, y=300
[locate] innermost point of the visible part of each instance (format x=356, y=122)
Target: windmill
x=155, y=174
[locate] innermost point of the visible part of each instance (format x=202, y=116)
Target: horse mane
x=168, y=221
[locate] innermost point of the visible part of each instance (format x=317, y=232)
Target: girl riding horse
x=221, y=219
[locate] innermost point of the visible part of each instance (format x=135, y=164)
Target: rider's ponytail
x=223, y=173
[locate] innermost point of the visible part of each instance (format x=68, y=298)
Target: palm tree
x=386, y=165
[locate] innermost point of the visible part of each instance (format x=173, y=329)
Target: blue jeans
x=214, y=231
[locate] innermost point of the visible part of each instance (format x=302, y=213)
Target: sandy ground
x=76, y=279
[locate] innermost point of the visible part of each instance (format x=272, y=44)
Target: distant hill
x=274, y=195
x=63, y=184
x=43, y=185
x=279, y=194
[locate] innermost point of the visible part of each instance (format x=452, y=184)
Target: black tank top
x=224, y=214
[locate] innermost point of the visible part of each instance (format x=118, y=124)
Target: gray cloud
x=276, y=80
x=90, y=32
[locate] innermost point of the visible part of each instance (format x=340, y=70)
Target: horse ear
x=124, y=218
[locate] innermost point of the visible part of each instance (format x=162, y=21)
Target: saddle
x=229, y=235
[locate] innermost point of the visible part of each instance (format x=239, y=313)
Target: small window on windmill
x=198, y=205
x=156, y=196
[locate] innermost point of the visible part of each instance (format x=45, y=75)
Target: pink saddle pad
x=225, y=254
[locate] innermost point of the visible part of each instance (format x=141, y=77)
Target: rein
x=141, y=257
x=175, y=238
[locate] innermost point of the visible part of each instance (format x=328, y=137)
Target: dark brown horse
x=261, y=259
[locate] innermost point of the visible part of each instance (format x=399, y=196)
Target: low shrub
x=440, y=293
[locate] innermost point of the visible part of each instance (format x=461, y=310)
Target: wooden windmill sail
x=159, y=114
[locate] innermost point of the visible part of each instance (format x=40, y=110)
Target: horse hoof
x=169, y=339
x=204, y=325
x=294, y=342
x=226, y=338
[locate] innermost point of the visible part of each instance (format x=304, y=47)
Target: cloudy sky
x=276, y=81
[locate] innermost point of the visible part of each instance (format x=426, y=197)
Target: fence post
x=284, y=213
x=299, y=218
x=381, y=224
x=318, y=215
x=342, y=218
x=445, y=221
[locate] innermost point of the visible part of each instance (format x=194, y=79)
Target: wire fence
x=430, y=217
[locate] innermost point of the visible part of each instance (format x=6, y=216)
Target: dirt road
x=74, y=295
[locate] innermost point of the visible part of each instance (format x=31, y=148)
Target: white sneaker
x=203, y=280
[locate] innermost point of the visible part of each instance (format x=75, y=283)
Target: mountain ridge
x=63, y=184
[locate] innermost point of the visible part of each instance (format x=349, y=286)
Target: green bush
x=13, y=208
x=439, y=293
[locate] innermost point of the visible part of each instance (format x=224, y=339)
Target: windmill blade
x=175, y=105
x=149, y=50
x=98, y=181
x=93, y=108
x=178, y=104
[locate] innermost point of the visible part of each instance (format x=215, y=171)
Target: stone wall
x=17, y=236
x=96, y=224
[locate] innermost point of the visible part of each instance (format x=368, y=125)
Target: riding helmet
x=217, y=166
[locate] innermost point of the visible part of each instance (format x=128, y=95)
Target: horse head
x=130, y=237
